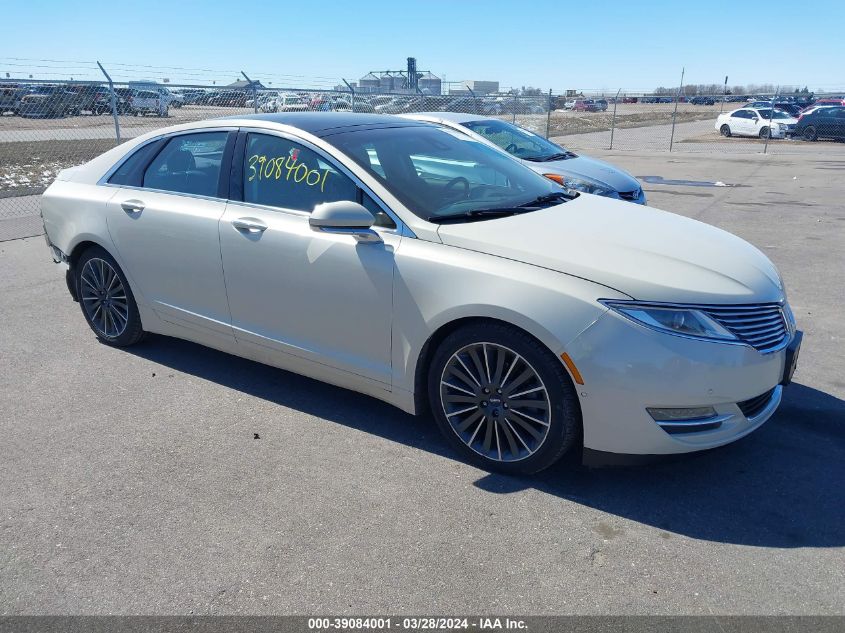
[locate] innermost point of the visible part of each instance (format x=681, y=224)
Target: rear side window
x=130, y=172
x=189, y=163
x=281, y=173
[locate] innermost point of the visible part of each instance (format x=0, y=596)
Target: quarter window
x=281, y=173
x=189, y=163
x=129, y=173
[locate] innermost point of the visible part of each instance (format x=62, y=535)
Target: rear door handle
x=132, y=206
x=250, y=225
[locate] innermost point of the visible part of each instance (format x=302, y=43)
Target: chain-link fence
x=46, y=126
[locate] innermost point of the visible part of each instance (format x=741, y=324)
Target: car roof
x=454, y=117
x=324, y=123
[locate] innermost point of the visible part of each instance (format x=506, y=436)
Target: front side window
x=776, y=114
x=281, y=173
x=189, y=163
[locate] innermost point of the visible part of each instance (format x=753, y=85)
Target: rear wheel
x=502, y=399
x=809, y=133
x=106, y=299
x=725, y=130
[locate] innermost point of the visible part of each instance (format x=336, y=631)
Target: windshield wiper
x=545, y=199
x=550, y=157
x=477, y=214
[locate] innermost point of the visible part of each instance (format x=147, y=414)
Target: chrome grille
x=761, y=325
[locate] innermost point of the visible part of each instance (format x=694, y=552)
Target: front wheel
x=502, y=399
x=765, y=133
x=725, y=131
x=106, y=299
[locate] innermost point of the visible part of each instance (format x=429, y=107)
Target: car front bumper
x=627, y=369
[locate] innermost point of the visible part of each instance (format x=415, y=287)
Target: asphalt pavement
x=173, y=479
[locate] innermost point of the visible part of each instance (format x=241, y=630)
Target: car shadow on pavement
x=782, y=486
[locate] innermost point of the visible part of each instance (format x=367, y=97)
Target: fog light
x=679, y=414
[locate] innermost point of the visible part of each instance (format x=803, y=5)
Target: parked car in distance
x=601, y=105
x=228, y=99
x=102, y=103
x=822, y=122
x=10, y=97
x=761, y=122
x=556, y=163
x=837, y=101
x=143, y=102
x=702, y=100
x=192, y=96
x=630, y=99
x=285, y=102
x=585, y=105
x=47, y=101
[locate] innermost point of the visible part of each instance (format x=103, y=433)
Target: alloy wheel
x=104, y=298
x=495, y=402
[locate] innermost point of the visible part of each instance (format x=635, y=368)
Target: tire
x=765, y=133
x=494, y=429
x=810, y=133
x=113, y=316
x=725, y=130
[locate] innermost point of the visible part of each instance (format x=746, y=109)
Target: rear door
x=164, y=223
x=828, y=122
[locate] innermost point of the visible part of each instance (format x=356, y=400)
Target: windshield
x=437, y=172
x=779, y=114
x=517, y=141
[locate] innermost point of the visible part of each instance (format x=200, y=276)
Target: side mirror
x=346, y=218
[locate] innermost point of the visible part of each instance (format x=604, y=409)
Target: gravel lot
x=131, y=481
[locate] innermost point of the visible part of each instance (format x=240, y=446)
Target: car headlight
x=580, y=184
x=678, y=321
x=587, y=187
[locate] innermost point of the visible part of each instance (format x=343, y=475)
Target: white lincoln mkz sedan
x=421, y=266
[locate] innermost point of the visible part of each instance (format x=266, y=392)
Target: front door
x=321, y=297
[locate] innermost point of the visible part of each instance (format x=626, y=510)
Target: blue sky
x=635, y=45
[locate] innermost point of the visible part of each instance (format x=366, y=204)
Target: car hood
x=648, y=254
x=597, y=170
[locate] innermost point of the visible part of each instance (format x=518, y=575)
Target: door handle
x=250, y=225
x=132, y=206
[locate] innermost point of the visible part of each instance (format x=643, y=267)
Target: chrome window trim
x=401, y=228
x=609, y=303
x=168, y=135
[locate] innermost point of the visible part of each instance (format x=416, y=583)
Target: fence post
x=514, y=109
x=254, y=93
x=352, y=90
x=675, y=112
x=113, y=104
x=771, y=114
x=474, y=99
x=549, y=114
x=613, y=120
